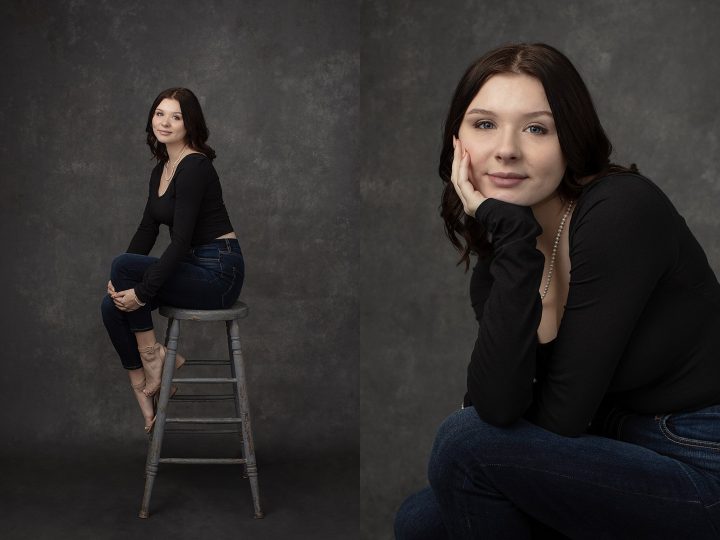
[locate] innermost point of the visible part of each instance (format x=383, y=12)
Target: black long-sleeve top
x=641, y=327
x=193, y=208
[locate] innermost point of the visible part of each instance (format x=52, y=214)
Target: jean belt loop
x=227, y=245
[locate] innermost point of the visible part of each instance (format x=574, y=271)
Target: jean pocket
x=697, y=429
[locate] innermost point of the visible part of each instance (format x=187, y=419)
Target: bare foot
x=147, y=406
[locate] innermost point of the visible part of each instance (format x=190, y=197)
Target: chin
x=507, y=195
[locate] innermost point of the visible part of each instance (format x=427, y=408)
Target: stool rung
x=207, y=362
x=203, y=431
x=210, y=380
x=219, y=461
x=190, y=420
x=202, y=397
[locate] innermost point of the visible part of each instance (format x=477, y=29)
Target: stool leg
x=153, y=459
x=241, y=389
x=237, y=401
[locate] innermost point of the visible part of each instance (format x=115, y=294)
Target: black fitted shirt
x=192, y=207
x=641, y=327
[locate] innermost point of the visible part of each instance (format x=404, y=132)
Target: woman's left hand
x=126, y=300
x=469, y=195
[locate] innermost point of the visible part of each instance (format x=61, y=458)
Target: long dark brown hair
x=583, y=141
x=192, y=115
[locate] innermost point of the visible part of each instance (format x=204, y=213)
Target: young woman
x=593, y=404
x=203, y=266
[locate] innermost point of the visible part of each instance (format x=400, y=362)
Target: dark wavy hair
x=192, y=115
x=583, y=141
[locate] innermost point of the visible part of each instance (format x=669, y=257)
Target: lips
x=506, y=180
x=164, y=132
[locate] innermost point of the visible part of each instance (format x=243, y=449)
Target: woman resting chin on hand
x=593, y=389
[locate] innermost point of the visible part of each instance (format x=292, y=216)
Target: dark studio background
x=278, y=82
x=326, y=117
x=652, y=71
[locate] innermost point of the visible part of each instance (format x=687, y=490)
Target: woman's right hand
x=470, y=197
x=110, y=288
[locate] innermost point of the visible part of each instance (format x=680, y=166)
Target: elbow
x=500, y=409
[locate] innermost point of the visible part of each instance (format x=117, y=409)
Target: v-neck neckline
x=157, y=191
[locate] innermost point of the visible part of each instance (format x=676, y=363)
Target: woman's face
x=167, y=122
x=508, y=129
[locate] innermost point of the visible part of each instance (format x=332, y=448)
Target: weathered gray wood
x=205, y=380
x=239, y=396
x=237, y=311
x=241, y=388
x=156, y=437
x=208, y=461
x=203, y=420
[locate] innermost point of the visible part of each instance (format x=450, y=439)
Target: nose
x=508, y=147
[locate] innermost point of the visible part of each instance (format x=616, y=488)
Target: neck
x=174, y=150
x=548, y=214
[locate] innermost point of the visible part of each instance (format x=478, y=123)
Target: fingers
x=469, y=195
x=459, y=176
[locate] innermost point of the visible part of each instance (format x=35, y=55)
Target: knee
x=419, y=518
x=448, y=443
x=458, y=439
x=119, y=265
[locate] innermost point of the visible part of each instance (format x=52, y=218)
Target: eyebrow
x=171, y=112
x=526, y=115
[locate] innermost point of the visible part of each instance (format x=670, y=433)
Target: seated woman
x=203, y=266
x=593, y=403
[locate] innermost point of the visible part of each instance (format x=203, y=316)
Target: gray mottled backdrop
x=278, y=82
x=652, y=71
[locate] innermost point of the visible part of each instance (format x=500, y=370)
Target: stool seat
x=239, y=310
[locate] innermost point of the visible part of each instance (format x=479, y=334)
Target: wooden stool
x=242, y=408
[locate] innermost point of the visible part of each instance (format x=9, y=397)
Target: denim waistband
x=221, y=243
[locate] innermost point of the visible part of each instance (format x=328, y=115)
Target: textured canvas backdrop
x=651, y=70
x=278, y=82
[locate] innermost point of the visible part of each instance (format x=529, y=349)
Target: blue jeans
x=209, y=277
x=647, y=477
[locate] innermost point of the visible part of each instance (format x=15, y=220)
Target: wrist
x=137, y=300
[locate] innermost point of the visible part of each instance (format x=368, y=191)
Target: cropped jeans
x=209, y=277
x=646, y=477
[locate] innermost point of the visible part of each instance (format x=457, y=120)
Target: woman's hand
x=470, y=197
x=110, y=288
x=125, y=300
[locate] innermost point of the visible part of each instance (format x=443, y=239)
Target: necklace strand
x=555, y=247
x=172, y=171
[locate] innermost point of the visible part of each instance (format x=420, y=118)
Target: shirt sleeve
x=502, y=366
x=623, y=244
x=144, y=238
x=190, y=182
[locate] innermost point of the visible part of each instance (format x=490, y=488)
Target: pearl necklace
x=172, y=171
x=554, y=251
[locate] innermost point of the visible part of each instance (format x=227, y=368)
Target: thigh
x=585, y=487
x=130, y=266
x=192, y=286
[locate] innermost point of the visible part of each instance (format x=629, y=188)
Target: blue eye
x=541, y=129
x=480, y=123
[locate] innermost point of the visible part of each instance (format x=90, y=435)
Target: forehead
x=170, y=106
x=511, y=93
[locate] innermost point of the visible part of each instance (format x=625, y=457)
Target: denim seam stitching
x=232, y=284
x=593, y=483
x=685, y=441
